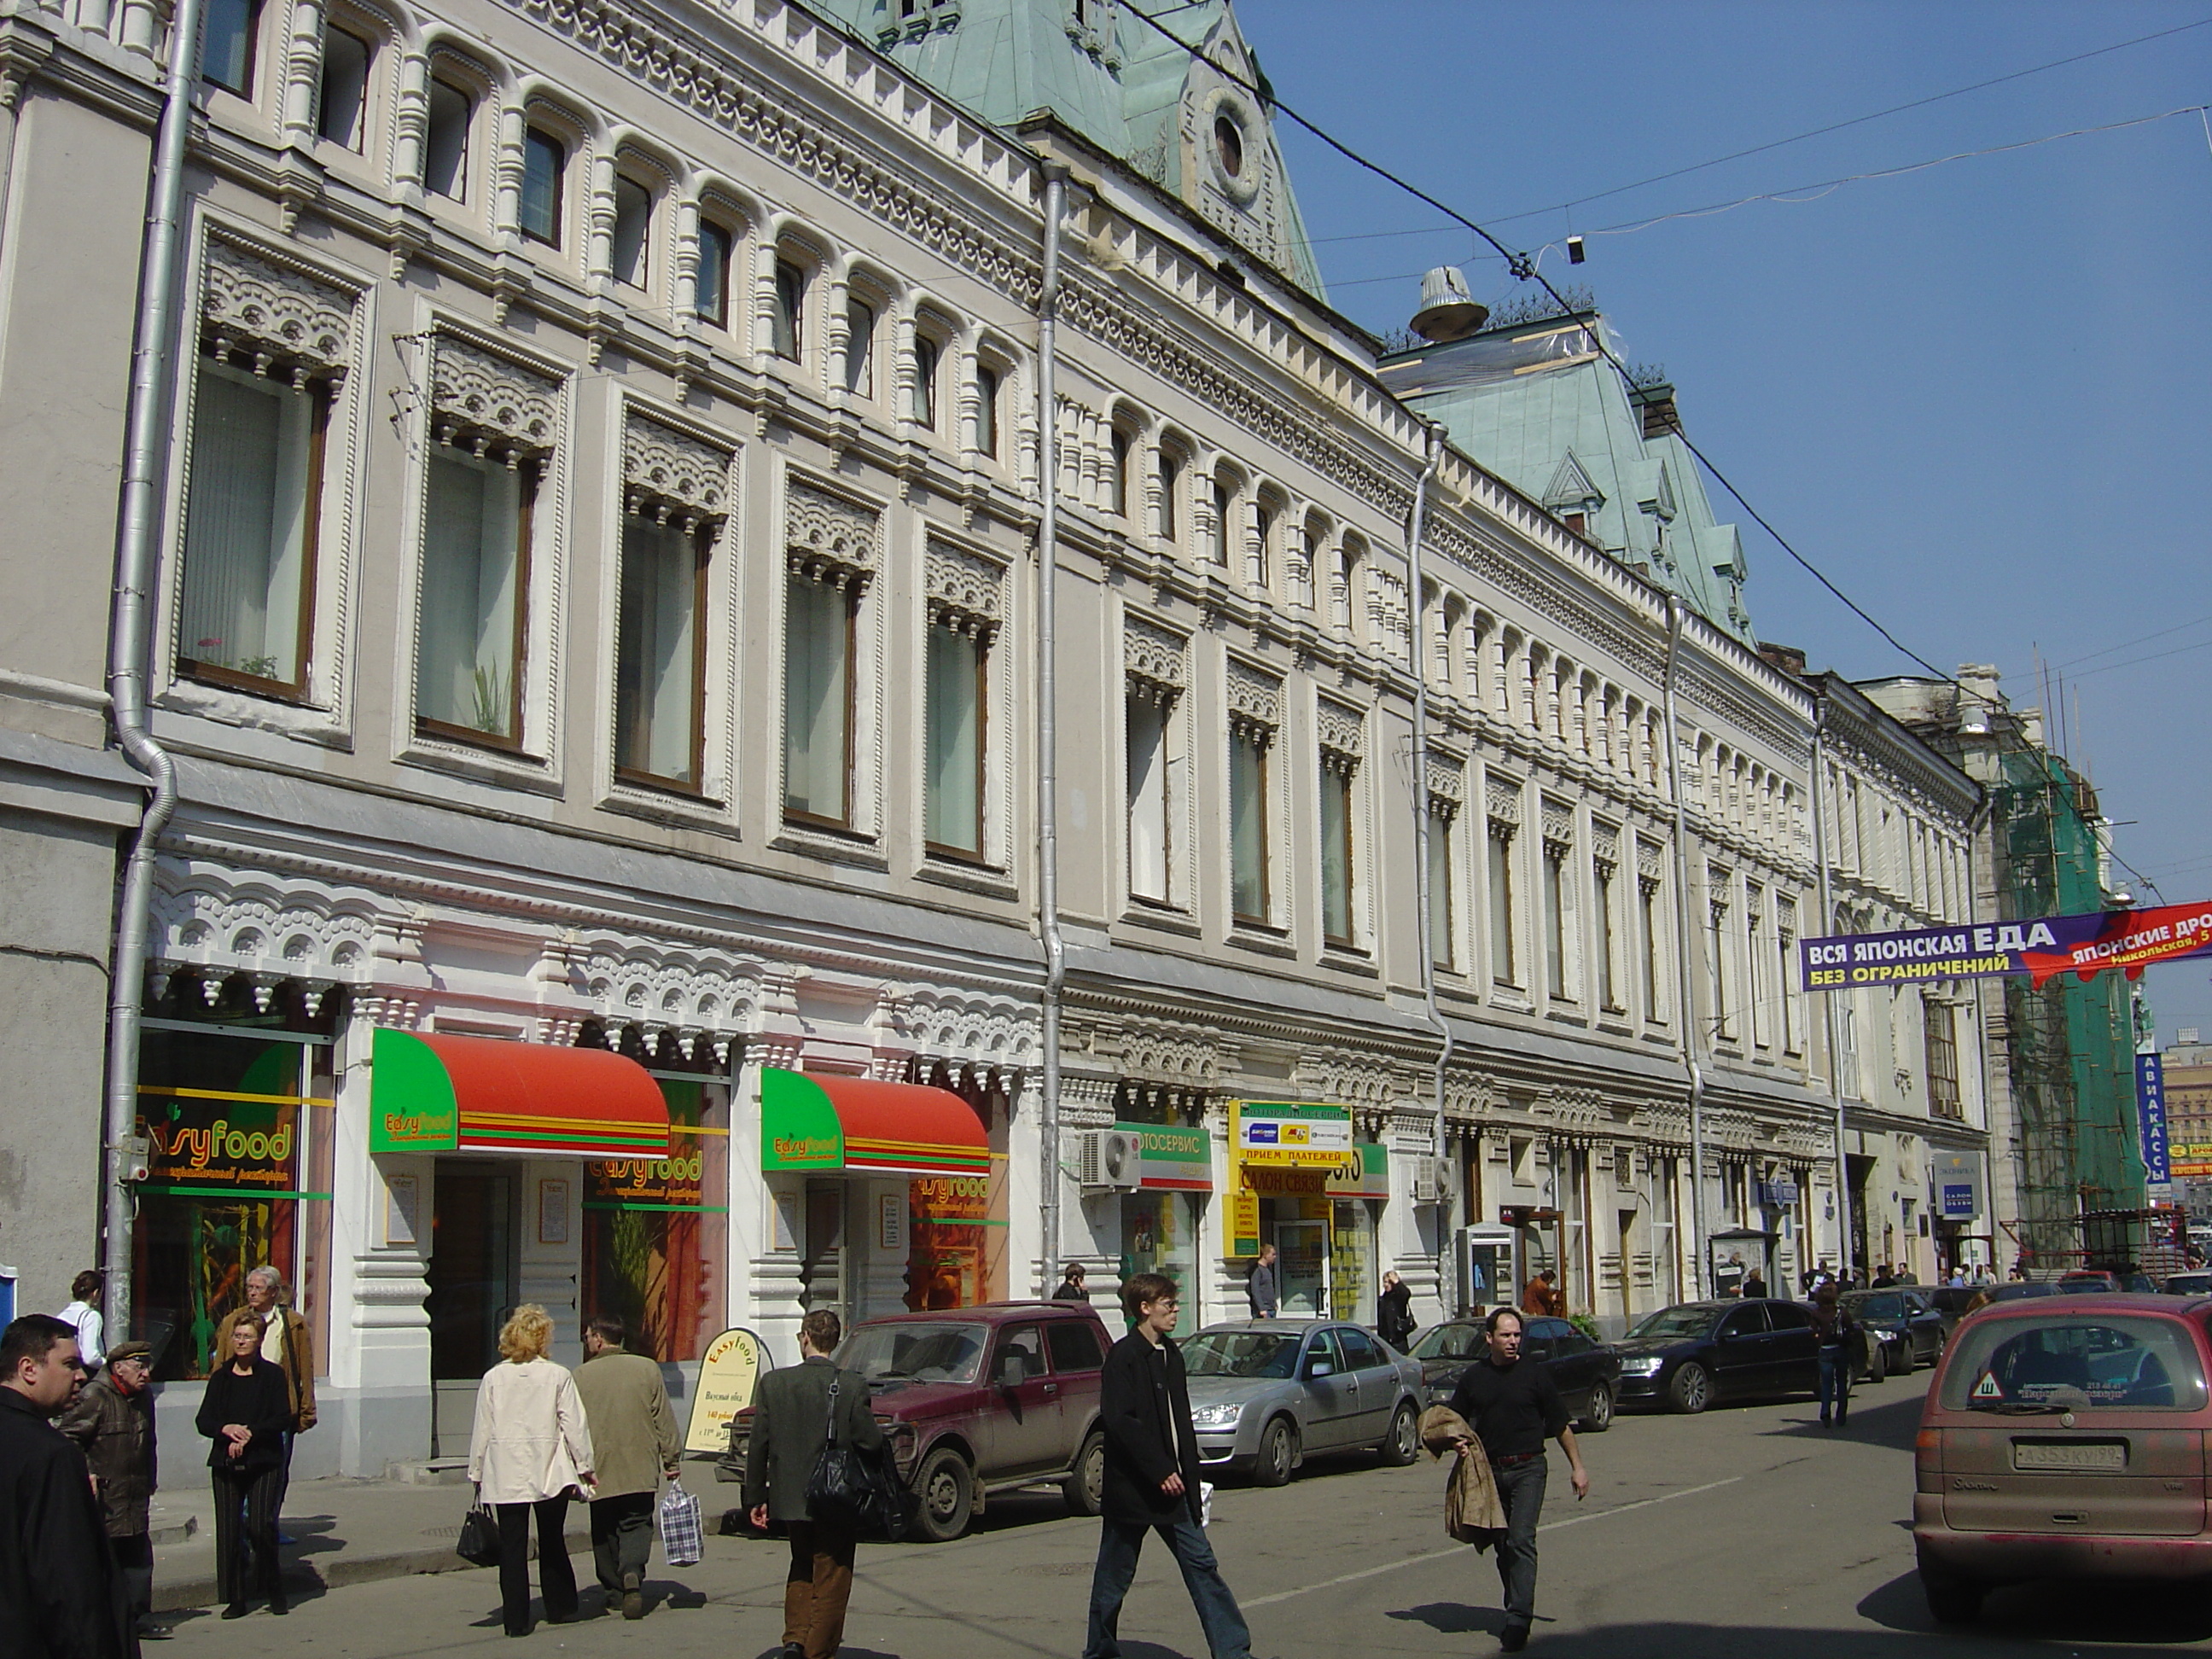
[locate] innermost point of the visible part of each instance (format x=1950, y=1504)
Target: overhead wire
x=2140, y=639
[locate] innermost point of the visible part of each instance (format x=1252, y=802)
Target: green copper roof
x=1112, y=78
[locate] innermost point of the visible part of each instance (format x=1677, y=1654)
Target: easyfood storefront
x=1298, y=1181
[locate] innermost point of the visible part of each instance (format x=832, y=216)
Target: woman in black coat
x=1393, y=1311
x=245, y=1413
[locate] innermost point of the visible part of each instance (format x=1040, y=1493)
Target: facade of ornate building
x=597, y=634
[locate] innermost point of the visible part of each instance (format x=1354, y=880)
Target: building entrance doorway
x=473, y=1271
x=821, y=1253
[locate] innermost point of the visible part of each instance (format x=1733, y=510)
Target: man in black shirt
x=1513, y=1409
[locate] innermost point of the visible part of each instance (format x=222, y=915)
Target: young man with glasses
x=1152, y=1478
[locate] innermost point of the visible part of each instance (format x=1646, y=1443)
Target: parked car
x=1587, y=1371
x=2089, y=1278
x=1686, y=1357
x=2188, y=1284
x=1906, y=1326
x=2062, y=1438
x=1265, y=1393
x=977, y=1401
x=1951, y=1301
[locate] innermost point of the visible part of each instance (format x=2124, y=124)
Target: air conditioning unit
x=1432, y=1180
x=1109, y=1160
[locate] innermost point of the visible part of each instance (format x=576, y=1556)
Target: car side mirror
x=1320, y=1368
x=1013, y=1368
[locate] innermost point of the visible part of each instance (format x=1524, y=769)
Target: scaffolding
x=2070, y=1045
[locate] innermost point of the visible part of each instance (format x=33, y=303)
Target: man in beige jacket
x=634, y=1441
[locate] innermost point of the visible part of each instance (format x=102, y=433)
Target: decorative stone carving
x=1447, y=783
x=485, y=403
x=1342, y=731
x=966, y=590
x=1503, y=800
x=1255, y=696
x=1154, y=657
x=279, y=317
x=1648, y=861
x=828, y=538
x=1559, y=822
x=668, y=473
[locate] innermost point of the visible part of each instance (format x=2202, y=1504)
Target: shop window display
x=237, y=1127
x=952, y=1255
x=1159, y=1235
x=654, y=1241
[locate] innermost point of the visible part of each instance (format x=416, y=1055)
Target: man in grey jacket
x=1259, y=1289
x=635, y=1441
x=790, y=1426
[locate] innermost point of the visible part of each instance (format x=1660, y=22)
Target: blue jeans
x=1836, y=1380
x=1521, y=1490
x=1119, y=1541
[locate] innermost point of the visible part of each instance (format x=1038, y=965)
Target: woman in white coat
x=529, y=1450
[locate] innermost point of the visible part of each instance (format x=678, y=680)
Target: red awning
x=437, y=1093
x=817, y=1120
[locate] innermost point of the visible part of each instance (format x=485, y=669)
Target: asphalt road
x=1748, y=1532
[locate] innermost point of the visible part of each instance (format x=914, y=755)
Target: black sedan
x=1686, y=1357
x=1904, y=1330
x=1587, y=1371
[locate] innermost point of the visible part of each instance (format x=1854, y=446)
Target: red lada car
x=2065, y=1436
x=979, y=1399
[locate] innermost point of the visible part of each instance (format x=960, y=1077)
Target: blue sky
x=1978, y=396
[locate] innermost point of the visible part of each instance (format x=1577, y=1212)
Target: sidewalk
x=345, y=1531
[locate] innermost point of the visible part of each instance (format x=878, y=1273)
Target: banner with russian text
x=2043, y=949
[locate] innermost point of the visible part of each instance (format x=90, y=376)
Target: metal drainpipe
x=1424, y=899
x=1685, y=1000
x=1828, y=998
x=147, y=434
x=1048, y=730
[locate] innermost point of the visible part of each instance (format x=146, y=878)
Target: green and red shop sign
x=818, y=1122
x=453, y=1094
x=1174, y=1158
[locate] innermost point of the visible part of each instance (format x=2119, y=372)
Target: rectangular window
x=632, y=239
x=1442, y=933
x=818, y=701
x=954, y=726
x=1147, y=714
x=1264, y=523
x=859, y=349
x=710, y=301
x=661, y=656
x=1786, y=952
x=1609, y=989
x=228, y=33
x=927, y=352
x=1504, y=969
x=1939, y=1021
x=476, y=556
x=445, y=142
x=1716, y=975
x=1754, y=965
x=254, y=497
x=1223, y=503
x=1247, y=822
x=1555, y=919
x=544, y=160
x=1171, y=481
x=342, y=108
x=986, y=409
x=787, y=327
x=1119, y=484
x=1336, y=866
x=654, y=1236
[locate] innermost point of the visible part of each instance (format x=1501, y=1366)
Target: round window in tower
x=1228, y=145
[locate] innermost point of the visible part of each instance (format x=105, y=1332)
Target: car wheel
x=1086, y=1485
x=1597, y=1416
x=1403, y=1444
x=1952, y=1600
x=1906, y=1358
x=1691, y=1391
x=1877, y=1367
x=946, y=1486
x=1278, y=1450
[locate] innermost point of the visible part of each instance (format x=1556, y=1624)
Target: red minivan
x=2064, y=1437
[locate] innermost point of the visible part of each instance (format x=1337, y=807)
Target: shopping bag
x=478, y=1543
x=681, y=1530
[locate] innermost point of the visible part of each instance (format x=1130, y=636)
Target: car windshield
x=2037, y=1363
x=1450, y=1342
x=1689, y=1320
x=1241, y=1353
x=1886, y=1304
x=915, y=1352
x=2189, y=1283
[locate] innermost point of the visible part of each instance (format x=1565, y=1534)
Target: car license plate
x=2094, y=1455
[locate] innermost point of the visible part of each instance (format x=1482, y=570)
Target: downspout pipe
x=1685, y=999
x=1048, y=726
x=147, y=432
x=1424, y=899
x=1828, y=998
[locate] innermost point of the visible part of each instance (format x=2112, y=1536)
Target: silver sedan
x=1264, y=1393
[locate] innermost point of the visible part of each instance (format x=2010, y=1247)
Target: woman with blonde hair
x=530, y=1450
x=245, y=1412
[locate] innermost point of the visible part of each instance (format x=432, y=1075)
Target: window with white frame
x=787, y=309
x=1651, y=943
x=988, y=377
x=965, y=605
x=1756, y=1014
x=1121, y=444
x=1444, y=908
x=544, y=202
x=1171, y=481
x=710, y=290
x=676, y=502
x=1558, y=979
x=928, y=353
x=1154, y=680
x=859, y=366
x=631, y=253
x=342, y=94
x=1504, y=963
x=1604, y=900
x=450, y=121
x=254, y=477
x=1340, y=731
x=1224, y=515
x=831, y=557
x=1255, y=702
x=1721, y=1008
x=1940, y=1026
x=1785, y=942
x=230, y=42
x=487, y=459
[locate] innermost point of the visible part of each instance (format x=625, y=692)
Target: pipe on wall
x=1686, y=997
x=1424, y=899
x=1047, y=728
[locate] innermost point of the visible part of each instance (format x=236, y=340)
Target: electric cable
x=2140, y=639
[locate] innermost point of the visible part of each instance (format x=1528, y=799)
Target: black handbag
x=839, y=1493
x=478, y=1544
